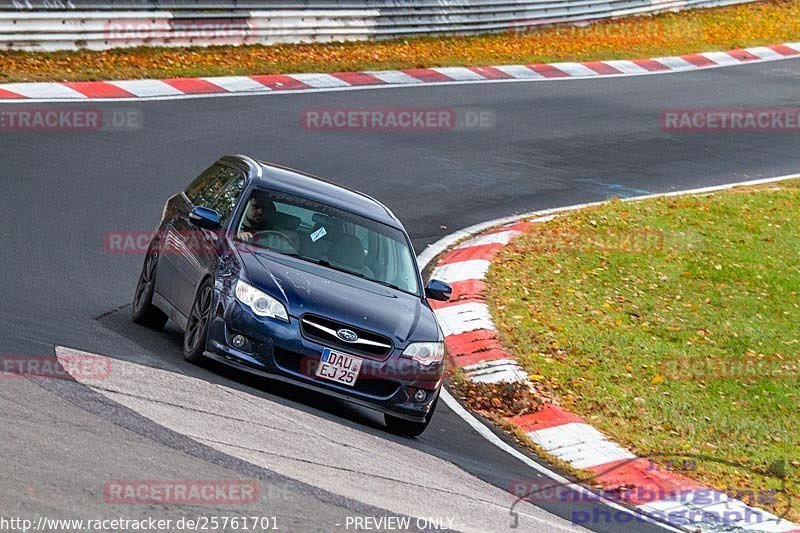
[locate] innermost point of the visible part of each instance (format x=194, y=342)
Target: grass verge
x=673, y=325
x=700, y=30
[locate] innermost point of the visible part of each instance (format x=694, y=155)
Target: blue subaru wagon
x=291, y=277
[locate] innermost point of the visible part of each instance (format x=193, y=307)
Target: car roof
x=291, y=181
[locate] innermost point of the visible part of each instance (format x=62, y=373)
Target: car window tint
x=204, y=189
x=340, y=239
x=227, y=197
x=363, y=235
x=303, y=214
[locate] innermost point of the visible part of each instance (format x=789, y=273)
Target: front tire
x=196, y=334
x=401, y=426
x=144, y=312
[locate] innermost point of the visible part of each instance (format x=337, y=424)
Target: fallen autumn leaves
x=725, y=28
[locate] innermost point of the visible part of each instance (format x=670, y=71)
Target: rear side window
x=228, y=196
x=204, y=189
x=217, y=188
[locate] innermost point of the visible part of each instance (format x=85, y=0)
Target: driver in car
x=261, y=216
x=256, y=218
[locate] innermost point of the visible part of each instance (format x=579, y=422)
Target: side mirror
x=205, y=218
x=438, y=290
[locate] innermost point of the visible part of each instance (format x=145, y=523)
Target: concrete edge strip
x=183, y=88
x=88, y=370
x=473, y=346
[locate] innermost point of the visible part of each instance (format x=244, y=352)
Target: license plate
x=339, y=367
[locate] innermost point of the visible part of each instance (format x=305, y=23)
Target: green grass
x=651, y=319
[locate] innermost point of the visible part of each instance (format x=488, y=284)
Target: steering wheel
x=274, y=239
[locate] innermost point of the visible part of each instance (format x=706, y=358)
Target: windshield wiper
x=362, y=276
x=295, y=255
x=314, y=260
x=387, y=284
x=323, y=262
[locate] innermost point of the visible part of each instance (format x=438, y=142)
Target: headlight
x=260, y=303
x=425, y=353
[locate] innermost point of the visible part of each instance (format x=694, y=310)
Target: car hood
x=308, y=288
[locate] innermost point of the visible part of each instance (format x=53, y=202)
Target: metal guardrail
x=70, y=24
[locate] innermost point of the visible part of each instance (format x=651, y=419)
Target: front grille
x=323, y=330
x=300, y=364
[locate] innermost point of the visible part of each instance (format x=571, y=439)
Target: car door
x=180, y=265
x=198, y=247
x=168, y=279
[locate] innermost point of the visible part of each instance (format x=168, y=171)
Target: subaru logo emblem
x=347, y=335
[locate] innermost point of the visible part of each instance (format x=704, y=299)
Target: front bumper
x=278, y=350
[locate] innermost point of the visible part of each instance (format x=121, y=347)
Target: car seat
x=319, y=249
x=348, y=253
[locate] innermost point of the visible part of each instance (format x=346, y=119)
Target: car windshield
x=327, y=236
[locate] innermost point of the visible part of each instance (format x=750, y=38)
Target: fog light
x=239, y=341
x=420, y=395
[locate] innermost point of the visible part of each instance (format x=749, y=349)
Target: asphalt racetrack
x=317, y=461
